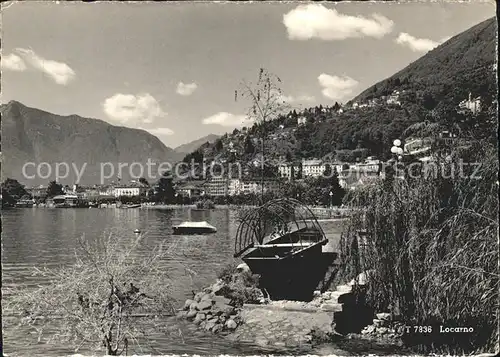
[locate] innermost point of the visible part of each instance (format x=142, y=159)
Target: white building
x=474, y=105
x=285, y=171
x=234, y=187
x=313, y=168
x=301, y=120
x=129, y=191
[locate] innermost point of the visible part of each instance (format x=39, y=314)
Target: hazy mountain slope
x=32, y=135
x=463, y=63
x=195, y=144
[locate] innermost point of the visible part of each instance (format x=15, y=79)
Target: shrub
x=433, y=244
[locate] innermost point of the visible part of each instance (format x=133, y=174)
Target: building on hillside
x=393, y=98
x=418, y=147
x=216, y=186
x=312, y=168
x=301, y=120
x=474, y=105
x=285, y=171
x=249, y=186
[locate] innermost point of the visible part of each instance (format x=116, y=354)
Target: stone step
x=344, y=288
x=331, y=307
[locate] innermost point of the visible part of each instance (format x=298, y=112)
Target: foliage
x=165, y=190
x=432, y=246
x=14, y=189
x=240, y=287
x=205, y=204
x=7, y=200
x=103, y=300
x=54, y=189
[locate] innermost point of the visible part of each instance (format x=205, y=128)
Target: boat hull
x=193, y=230
x=292, y=276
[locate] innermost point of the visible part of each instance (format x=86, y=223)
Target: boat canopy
x=284, y=221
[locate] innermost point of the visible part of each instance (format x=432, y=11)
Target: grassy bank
x=432, y=246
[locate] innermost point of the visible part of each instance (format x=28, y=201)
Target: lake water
x=48, y=237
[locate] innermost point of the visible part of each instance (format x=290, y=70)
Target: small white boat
x=194, y=228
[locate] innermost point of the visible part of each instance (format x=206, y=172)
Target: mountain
x=195, y=144
x=31, y=135
x=466, y=59
x=428, y=90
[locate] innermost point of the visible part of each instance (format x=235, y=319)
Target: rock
x=201, y=316
x=204, y=305
x=209, y=325
x=316, y=293
x=331, y=307
x=217, y=328
x=198, y=296
x=231, y=324
x=384, y=316
x=191, y=314
x=217, y=287
x=377, y=322
x=243, y=268
x=206, y=297
x=182, y=314
x=221, y=300
x=187, y=304
x=223, y=309
x=382, y=330
x=261, y=342
x=193, y=306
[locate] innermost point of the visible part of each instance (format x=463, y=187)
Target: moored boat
x=25, y=203
x=194, y=228
x=131, y=206
x=282, y=242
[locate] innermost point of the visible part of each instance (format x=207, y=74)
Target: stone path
x=281, y=326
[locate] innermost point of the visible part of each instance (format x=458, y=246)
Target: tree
x=96, y=301
x=7, y=200
x=14, y=189
x=165, y=189
x=267, y=103
x=219, y=145
x=54, y=189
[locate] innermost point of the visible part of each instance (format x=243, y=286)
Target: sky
x=172, y=68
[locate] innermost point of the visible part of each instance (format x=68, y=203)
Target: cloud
x=298, y=99
x=316, y=21
x=160, y=131
x=417, y=44
x=186, y=89
x=12, y=62
x=60, y=72
x=130, y=108
x=335, y=87
x=225, y=119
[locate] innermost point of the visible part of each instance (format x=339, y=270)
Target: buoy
x=137, y=231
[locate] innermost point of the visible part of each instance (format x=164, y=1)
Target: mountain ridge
x=195, y=144
x=33, y=135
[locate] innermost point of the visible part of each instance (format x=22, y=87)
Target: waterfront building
x=130, y=190
x=216, y=186
x=191, y=189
